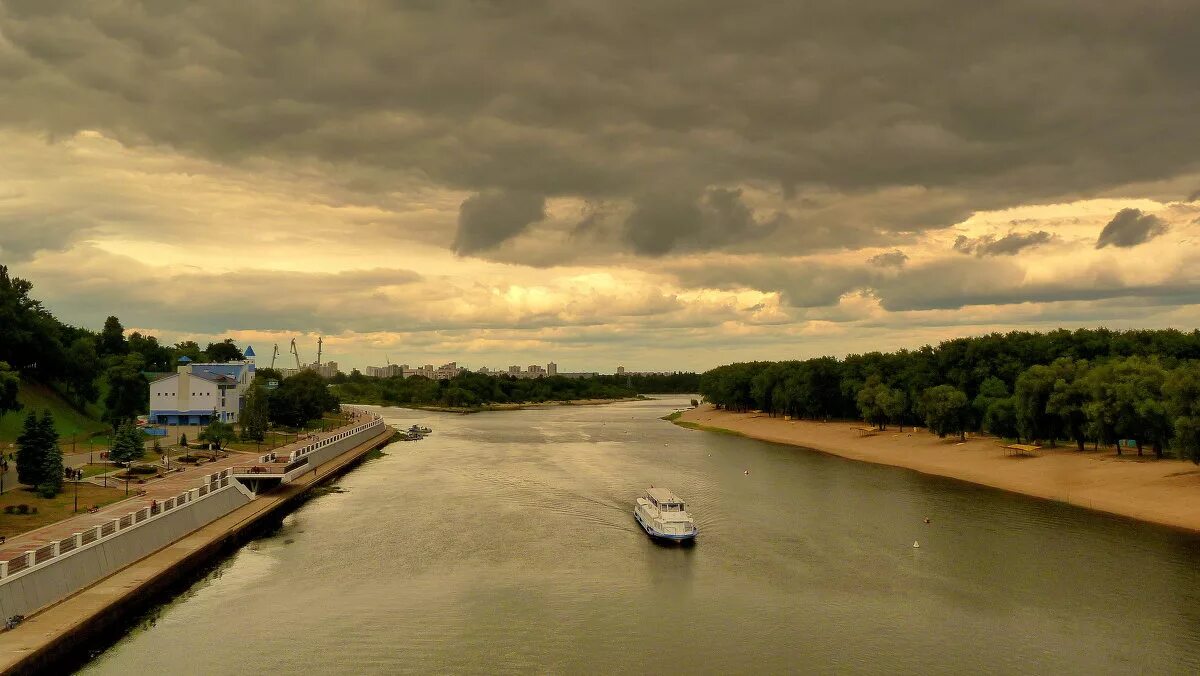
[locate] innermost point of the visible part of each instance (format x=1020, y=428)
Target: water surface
x=505, y=543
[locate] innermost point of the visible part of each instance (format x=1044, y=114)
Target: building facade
x=197, y=391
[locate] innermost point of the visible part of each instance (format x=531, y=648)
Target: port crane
x=296, y=354
x=274, y=355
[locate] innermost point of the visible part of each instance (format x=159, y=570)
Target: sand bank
x=1160, y=491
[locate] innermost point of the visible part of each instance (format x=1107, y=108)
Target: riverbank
x=62, y=635
x=1158, y=491
x=506, y=407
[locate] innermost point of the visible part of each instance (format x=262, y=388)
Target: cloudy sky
x=656, y=184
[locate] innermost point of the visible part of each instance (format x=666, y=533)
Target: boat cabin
x=664, y=500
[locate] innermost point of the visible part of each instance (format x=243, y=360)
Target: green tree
x=1182, y=392
x=127, y=443
x=871, y=399
x=1067, y=403
x=946, y=410
x=51, y=479
x=301, y=398
x=1125, y=401
x=218, y=433
x=10, y=382
x=256, y=413
x=82, y=368
x=111, y=341
x=1033, y=391
x=128, y=392
x=1000, y=418
x=991, y=390
x=31, y=451
x=223, y=351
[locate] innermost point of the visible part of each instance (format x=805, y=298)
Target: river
x=504, y=543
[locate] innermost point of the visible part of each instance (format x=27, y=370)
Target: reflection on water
x=505, y=542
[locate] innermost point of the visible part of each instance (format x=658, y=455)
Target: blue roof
x=184, y=360
x=249, y=350
x=233, y=370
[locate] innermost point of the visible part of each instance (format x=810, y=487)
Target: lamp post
x=76, y=495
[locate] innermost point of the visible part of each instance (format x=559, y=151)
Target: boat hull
x=659, y=535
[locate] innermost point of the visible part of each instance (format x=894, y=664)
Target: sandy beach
x=1165, y=492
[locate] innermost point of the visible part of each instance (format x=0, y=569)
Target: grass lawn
x=53, y=509
x=97, y=468
x=69, y=422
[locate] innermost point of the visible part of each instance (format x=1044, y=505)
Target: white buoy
x=916, y=545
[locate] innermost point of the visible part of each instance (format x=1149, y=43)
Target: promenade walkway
x=57, y=627
x=154, y=490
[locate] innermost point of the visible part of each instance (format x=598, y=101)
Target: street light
x=76, y=495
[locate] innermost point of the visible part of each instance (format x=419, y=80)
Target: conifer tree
x=30, y=451
x=51, y=479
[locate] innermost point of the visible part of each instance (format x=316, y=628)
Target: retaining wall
x=65, y=574
x=54, y=572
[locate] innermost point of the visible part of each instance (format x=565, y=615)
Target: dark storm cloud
x=487, y=219
x=599, y=100
x=1131, y=227
x=891, y=259
x=1008, y=245
x=801, y=284
x=670, y=221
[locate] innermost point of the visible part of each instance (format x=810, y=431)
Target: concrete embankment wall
x=60, y=638
x=68, y=573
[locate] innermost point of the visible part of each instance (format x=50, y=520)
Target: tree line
x=468, y=389
x=1085, y=386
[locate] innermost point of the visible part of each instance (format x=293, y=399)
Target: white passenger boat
x=664, y=515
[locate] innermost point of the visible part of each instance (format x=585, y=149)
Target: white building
x=192, y=394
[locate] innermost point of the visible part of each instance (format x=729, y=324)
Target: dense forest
x=1086, y=386
x=470, y=390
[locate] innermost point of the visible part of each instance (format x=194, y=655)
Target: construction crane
x=319, y=341
x=274, y=355
x=296, y=354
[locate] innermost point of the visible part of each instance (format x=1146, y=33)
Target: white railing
x=46, y=554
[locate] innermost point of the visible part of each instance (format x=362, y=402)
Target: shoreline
x=62, y=635
x=1163, y=492
x=467, y=410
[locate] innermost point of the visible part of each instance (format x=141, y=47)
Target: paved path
x=56, y=624
x=155, y=490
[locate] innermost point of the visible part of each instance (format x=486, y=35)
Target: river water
x=505, y=543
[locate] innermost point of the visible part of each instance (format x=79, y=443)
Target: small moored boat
x=664, y=515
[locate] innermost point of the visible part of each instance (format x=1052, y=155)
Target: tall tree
x=51, y=479
x=224, y=351
x=1182, y=391
x=1068, y=400
x=256, y=413
x=946, y=410
x=1033, y=391
x=111, y=341
x=128, y=392
x=10, y=382
x=31, y=451
x=82, y=369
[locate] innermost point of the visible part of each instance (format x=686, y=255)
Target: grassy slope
x=70, y=422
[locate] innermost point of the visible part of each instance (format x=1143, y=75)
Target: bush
x=143, y=469
x=33, y=510
x=22, y=509
x=9, y=509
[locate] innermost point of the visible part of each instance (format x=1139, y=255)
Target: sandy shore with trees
x=1160, y=491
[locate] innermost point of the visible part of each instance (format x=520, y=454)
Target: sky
x=660, y=185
